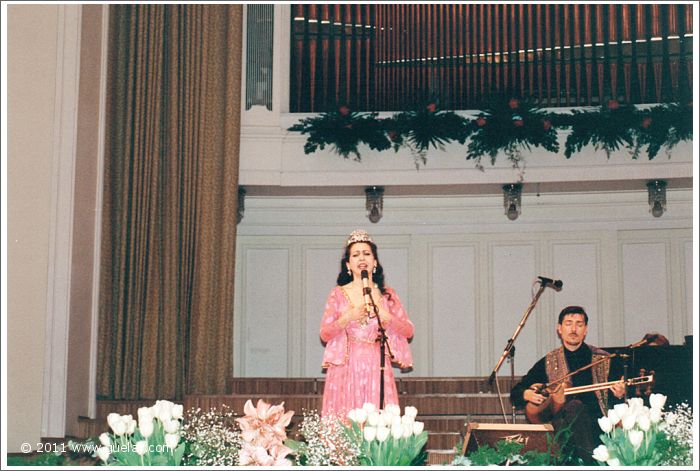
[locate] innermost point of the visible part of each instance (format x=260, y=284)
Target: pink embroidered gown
x=352, y=354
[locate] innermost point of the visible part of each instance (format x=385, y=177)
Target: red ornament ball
x=513, y=103
x=613, y=104
x=344, y=110
x=481, y=122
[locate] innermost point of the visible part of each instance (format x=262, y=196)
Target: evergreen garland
x=502, y=127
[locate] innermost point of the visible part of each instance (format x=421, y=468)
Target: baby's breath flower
x=212, y=436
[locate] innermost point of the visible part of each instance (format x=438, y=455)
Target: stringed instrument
x=556, y=396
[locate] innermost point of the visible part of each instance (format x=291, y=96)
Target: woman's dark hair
x=377, y=277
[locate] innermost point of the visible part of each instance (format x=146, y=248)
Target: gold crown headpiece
x=358, y=235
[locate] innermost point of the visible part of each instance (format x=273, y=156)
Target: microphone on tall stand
x=366, y=292
x=554, y=284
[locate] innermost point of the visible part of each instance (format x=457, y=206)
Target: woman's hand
x=352, y=314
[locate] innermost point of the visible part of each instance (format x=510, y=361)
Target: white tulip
x=171, y=426
x=407, y=429
x=178, y=410
x=370, y=433
x=613, y=417
x=644, y=422
x=104, y=439
x=141, y=447
x=146, y=428
x=382, y=433
x=384, y=419
x=119, y=427
x=397, y=431
x=165, y=410
x=360, y=416
x=657, y=401
x=393, y=409
x=369, y=407
x=130, y=426
x=396, y=420
x=112, y=419
x=613, y=462
x=171, y=440
x=628, y=421
x=621, y=409
x=600, y=453
x=103, y=453
x=655, y=415
x=636, y=437
x=408, y=419
x=352, y=415
x=636, y=402
x=418, y=427
x=410, y=411
x=144, y=413
x=373, y=418
x=605, y=425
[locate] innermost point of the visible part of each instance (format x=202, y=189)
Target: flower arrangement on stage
x=366, y=437
x=263, y=431
x=386, y=437
x=506, y=128
x=637, y=435
x=212, y=437
x=325, y=442
x=155, y=441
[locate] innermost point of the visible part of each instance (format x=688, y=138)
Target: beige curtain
x=170, y=201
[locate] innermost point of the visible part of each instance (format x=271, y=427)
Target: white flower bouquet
x=386, y=437
x=154, y=441
x=633, y=433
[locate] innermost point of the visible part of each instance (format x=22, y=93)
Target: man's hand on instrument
x=618, y=389
x=531, y=395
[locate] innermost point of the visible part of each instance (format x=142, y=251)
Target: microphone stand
x=510, y=346
x=382, y=339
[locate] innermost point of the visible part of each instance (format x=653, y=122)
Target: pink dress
x=352, y=354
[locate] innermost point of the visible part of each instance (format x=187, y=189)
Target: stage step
x=440, y=457
x=427, y=404
x=406, y=385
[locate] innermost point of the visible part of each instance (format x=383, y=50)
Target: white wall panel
x=645, y=289
x=453, y=335
x=688, y=286
x=266, y=312
x=395, y=261
x=576, y=264
x=321, y=270
x=512, y=273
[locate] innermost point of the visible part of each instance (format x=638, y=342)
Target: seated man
x=579, y=411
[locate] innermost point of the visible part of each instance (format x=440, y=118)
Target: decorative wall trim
x=60, y=238
x=95, y=303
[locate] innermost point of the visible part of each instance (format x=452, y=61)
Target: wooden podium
x=533, y=436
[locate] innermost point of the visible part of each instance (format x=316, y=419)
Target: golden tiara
x=358, y=235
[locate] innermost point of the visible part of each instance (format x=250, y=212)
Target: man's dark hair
x=573, y=310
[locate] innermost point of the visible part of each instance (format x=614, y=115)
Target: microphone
x=648, y=338
x=366, y=290
x=554, y=284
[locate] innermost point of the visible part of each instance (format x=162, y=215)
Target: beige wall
x=31, y=82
